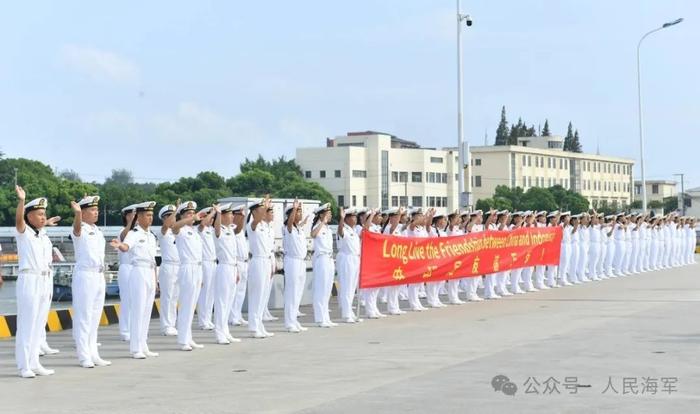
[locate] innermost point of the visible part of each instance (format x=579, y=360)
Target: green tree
x=636, y=204
x=120, y=176
x=655, y=204
x=576, y=143
x=545, y=130
x=670, y=204
x=502, y=132
x=568, y=139
x=537, y=198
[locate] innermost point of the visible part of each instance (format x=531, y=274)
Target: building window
x=359, y=174
x=529, y=181
x=307, y=174
x=524, y=182
x=537, y=161
x=322, y=174
x=394, y=201
x=477, y=181
x=431, y=201
x=403, y=201
x=364, y=201
x=337, y=173
x=354, y=201
x=341, y=200
x=385, y=179
x=394, y=176
x=444, y=178
x=655, y=189
x=416, y=177
x=444, y=201
x=529, y=161
x=524, y=160
x=561, y=163
x=477, y=161
x=638, y=189
x=403, y=177
x=417, y=201
x=436, y=160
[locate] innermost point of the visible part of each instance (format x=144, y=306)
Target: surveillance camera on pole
x=464, y=192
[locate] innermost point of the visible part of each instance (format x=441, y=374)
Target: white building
x=692, y=202
x=657, y=190
x=373, y=169
x=542, y=162
x=380, y=170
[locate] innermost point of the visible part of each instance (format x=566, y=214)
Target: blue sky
x=170, y=88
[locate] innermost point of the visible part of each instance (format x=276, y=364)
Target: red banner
x=395, y=260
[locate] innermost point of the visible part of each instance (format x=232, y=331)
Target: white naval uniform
x=538, y=283
x=243, y=251
x=123, y=282
x=575, y=255
x=259, y=273
x=370, y=295
x=620, y=236
x=414, y=288
x=392, y=292
x=609, y=249
x=636, y=249
x=566, y=253
x=515, y=273
x=294, y=245
x=189, y=280
x=553, y=270
x=205, y=303
x=472, y=283
x=453, y=284
x=432, y=289
x=324, y=271
x=594, y=251
x=34, y=251
x=143, y=248
x=348, y=265
x=88, y=290
x=583, y=245
x=224, y=281
x=167, y=280
x=267, y=316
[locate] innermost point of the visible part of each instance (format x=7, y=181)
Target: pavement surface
x=632, y=344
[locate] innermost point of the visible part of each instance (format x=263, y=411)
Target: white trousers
x=294, y=281
x=324, y=271
x=258, y=278
x=413, y=292
x=610, y=252
x=88, y=289
x=564, y=262
x=142, y=292
x=594, y=259
x=453, y=290
x=31, y=293
x=236, y=315
x=205, y=304
x=224, y=291
x=370, y=298
x=620, y=251
x=348, y=277
x=123, y=281
x=489, y=282
x=539, y=277
x=189, y=281
x=392, y=299
x=432, y=290
x=582, y=261
x=167, y=280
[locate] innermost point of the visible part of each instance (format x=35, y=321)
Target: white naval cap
x=226, y=207
x=145, y=206
x=476, y=213
x=186, y=206
x=351, y=211
x=89, y=201
x=322, y=208
x=566, y=213
x=415, y=210
x=167, y=209
x=253, y=204
x=541, y=213
x=552, y=213
x=205, y=210
x=238, y=208
x=129, y=209
x=463, y=213
x=610, y=216
x=36, y=204
x=391, y=211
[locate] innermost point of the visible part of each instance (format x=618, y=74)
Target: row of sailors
x=214, y=257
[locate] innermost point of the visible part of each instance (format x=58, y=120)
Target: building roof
x=549, y=152
x=693, y=190
x=666, y=182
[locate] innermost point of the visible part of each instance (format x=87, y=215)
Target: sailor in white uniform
x=348, y=263
x=608, y=244
x=455, y=228
x=471, y=284
x=584, y=244
x=392, y=226
x=226, y=277
x=269, y=219
x=128, y=215
x=88, y=285
x=205, y=304
x=34, y=251
x=294, y=245
x=189, y=277
x=167, y=272
x=432, y=289
x=243, y=251
x=552, y=270
x=323, y=265
x=515, y=273
x=566, y=249
x=594, y=247
x=538, y=283
x=142, y=246
x=620, y=237
x=418, y=228
x=372, y=225
x=260, y=268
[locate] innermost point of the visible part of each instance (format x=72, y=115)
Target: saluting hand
x=53, y=221
x=20, y=193
x=75, y=207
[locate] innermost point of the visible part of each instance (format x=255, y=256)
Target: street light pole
x=639, y=101
x=464, y=192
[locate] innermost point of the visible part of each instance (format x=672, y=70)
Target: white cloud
x=100, y=64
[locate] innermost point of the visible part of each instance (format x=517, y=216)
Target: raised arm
x=217, y=221
x=77, y=218
x=19, y=213
x=292, y=215
x=126, y=229
x=341, y=222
